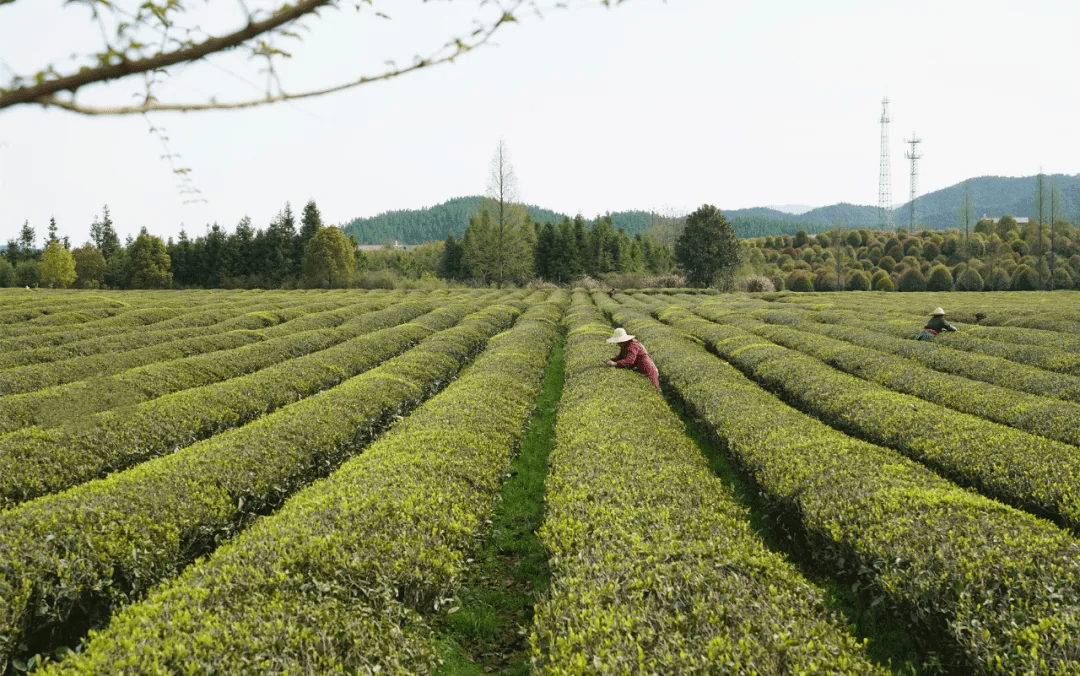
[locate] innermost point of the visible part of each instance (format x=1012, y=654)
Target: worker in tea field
x=936, y=325
x=632, y=354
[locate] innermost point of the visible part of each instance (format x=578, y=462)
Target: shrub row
x=71, y=401
x=655, y=569
x=36, y=377
x=998, y=586
x=1070, y=327
x=1043, y=416
x=249, y=318
x=36, y=461
x=40, y=316
x=40, y=376
x=1043, y=357
x=1027, y=471
x=340, y=579
x=1024, y=336
x=939, y=357
x=42, y=337
x=100, y=544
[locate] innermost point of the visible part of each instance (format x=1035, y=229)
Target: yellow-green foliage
x=102, y=542
x=1027, y=471
x=111, y=353
x=60, y=403
x=341, y=578
x=155, y=310
x=1051, y=418
x=655, y=569
x=35, y=461
x=1000, y=586
x=938, y=355
x=1050, y=357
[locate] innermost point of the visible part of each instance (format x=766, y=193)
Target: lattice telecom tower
x=884, y=192
x=914, y=156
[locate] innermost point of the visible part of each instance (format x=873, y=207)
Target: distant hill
x=994, y=196
x=415, y=226
x=791, y=208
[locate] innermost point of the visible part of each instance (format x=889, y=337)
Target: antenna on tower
x=885, y=175
x=914, y=156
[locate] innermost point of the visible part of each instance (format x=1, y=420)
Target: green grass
x=488, y=633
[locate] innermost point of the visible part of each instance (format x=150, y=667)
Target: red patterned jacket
x=632, y=354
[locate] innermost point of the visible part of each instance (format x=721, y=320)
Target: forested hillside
x=994, y=196
x=415, y=226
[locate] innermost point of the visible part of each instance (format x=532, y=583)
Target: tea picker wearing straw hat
x=935, y=325
x=632, y=354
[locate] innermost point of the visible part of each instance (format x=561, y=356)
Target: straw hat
x=938, y=311
x=620, y=336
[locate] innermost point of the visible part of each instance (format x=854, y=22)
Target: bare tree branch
x=459, y=47
x=45, y=92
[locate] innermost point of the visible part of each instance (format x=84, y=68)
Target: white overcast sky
x=649, y=105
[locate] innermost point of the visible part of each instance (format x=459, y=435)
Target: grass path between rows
x=488, y=634
x=890, y=644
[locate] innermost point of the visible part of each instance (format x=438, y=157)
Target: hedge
x=341, y=579
x=59, y=404
x=1044, y=416
x=195, y=316
x=39, y=376
x=1022, y=336
x=1029, y=472
x=1046, y=357
x=998, y=586
x=95, y=546
x=36, y=461
x=940, y=357
x=655, y=569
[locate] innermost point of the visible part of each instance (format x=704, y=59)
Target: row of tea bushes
x=1021, y=336
x=40, y=376
x=1044, y=416
x=100, y=544
x=998, y=586
x=1050, y=357
x=655, y=569
x=36, y=461
x=1027, y=471
x=132, y=339
x=59, y=404
x=340, y=580
x=197, y=311
x=97, y=313
x=985, y=368
x=39, y=317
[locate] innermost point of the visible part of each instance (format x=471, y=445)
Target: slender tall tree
x=104, y=235
x=1040, y=218
x=839, y=236
x=502, y=189
x=26, y=240
x=1057, y=208
x=966, y=217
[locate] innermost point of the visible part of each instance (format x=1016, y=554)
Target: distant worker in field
x=611, y=293
x=632, y=354
x=936, y=325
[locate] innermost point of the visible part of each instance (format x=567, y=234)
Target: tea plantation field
x=313, y=482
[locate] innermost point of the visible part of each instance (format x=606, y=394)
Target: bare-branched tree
x=150, y=39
